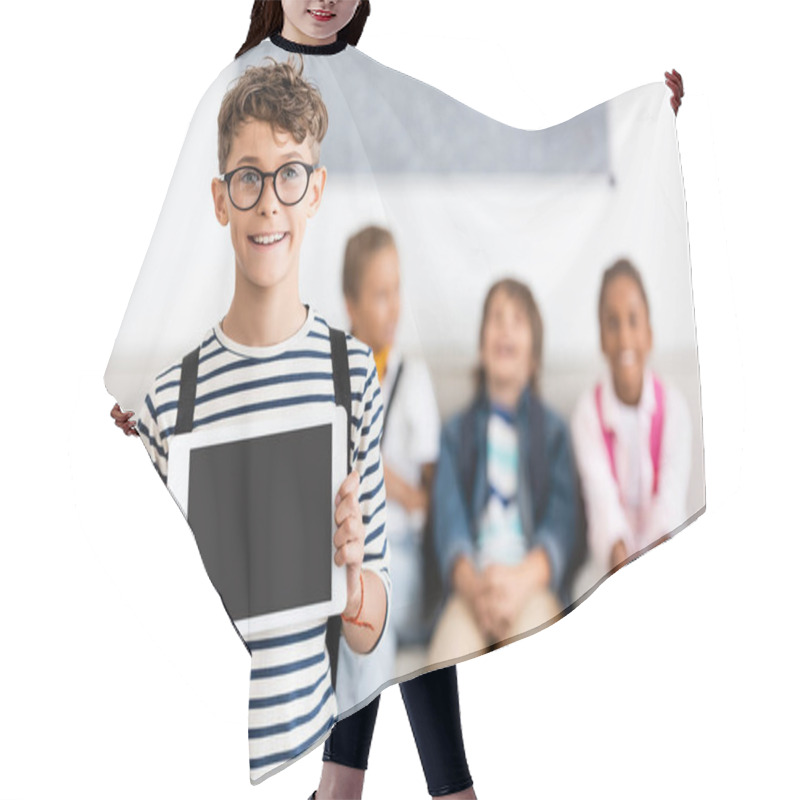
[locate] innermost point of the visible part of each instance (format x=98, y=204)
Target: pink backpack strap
x=608, y=434
x=657, y=430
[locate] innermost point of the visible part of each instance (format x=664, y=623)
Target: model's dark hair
x=521, y=294
x=266, y=19
x=619, y=268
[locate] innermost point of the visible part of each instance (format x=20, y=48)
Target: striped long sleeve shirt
x=292, y=704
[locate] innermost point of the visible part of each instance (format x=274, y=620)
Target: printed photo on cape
x=493, y=230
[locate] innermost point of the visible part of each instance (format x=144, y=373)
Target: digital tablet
x=259, y=498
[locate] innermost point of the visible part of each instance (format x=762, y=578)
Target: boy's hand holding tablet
x=361, y=629
x=349, y=540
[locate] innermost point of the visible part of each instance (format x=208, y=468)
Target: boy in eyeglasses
x=270, y=352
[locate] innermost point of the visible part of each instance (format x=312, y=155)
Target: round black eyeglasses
x=290, y=182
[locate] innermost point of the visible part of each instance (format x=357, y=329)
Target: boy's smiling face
x=267, y=238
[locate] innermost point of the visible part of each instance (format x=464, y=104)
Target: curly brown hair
x=266, y=19
x=278, y=94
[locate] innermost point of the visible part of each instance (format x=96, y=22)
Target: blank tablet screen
x=260, y=510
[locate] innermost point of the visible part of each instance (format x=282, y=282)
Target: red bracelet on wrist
x=356, y=620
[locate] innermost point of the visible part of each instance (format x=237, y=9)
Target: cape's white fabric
x=469, y=200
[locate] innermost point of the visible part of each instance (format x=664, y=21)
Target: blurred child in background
x=632, y=435
x=505, y=491
x=410, y=444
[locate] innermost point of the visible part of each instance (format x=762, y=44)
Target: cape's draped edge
x=468, y=198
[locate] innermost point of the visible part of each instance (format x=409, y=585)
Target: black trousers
x=431, y=702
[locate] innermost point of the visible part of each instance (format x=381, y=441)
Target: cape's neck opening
x=308, y=49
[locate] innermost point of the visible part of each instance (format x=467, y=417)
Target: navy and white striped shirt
x=292, y=704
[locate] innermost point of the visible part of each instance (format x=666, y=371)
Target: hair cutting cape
x=469, y=201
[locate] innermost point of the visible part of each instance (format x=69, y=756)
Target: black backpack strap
x=341, y=381
x=187, y=392
x=387, y=407
x=343, y=396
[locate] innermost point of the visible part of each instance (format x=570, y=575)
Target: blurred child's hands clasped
x=124, y=420
x=506, y=591
x=482, y=607
x=349, y=539
x=497, y=595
